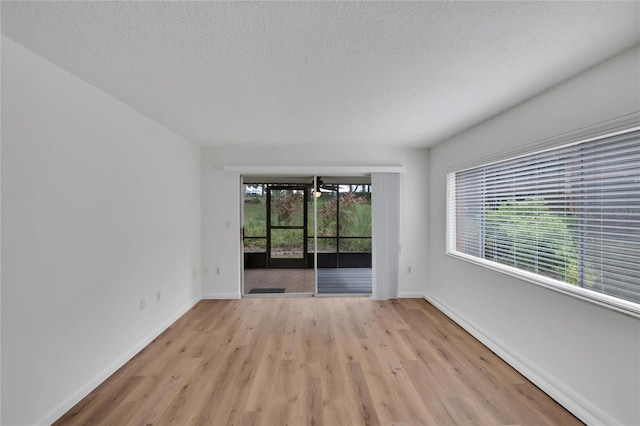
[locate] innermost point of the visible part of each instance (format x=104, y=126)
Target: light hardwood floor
x=316, y=361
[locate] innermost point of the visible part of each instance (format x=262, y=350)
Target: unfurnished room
x=320, y=213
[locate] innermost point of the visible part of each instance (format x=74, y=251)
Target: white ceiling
x=360, y=73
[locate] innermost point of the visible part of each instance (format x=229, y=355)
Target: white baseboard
x=85, y=390
x=221, y=296
x=410, y=295
x=575, y=403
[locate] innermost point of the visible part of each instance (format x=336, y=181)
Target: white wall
x=221, y=203
x=100, y=208
x=587, y=355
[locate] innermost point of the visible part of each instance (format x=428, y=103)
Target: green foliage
x=254, y=245
x=287, y=207
x=355, y=245
x=255, y=221
x=355, y=221
x=528, y=234
x=355, y=216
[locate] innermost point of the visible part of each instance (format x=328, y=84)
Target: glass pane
x=327, y=245
x=255, y=245
x=327, y=214
x=355, y=245
x=255, y=211
x=287, y=243
x=310, y=216
x=287, y=207
x=355, y=211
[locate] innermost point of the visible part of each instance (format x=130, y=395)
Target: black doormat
x=266, y=290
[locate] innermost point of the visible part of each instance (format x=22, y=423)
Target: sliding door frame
x=293, y=171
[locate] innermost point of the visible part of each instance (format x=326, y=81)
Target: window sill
x=619, y=305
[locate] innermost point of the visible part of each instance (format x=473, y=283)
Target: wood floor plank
x=250, y=322
x=384, y=350
x=154, y=408
x=337, y=395
x=312, y=402
x=411, y=405
x=316, y=361
x=293, y=333
x=282, y=407
x=379, y=381
x=343, y=316
x=268, y=369
x=464, y=413
x=234, y=398
x=366, y=406
x=427, y=387
x=124, y=412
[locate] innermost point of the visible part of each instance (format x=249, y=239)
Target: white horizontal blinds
x=610, y=219
x=570, y=213
x=469, y=212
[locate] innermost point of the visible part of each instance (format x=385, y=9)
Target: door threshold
x=343, y=295
x=259, y=295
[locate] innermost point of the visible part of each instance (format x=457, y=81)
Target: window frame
x=607, y=301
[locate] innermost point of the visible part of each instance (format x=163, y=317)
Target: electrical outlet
x=217, y=271
x=157, y=296
x=142, y=304
x=408, y=269
x=227, y=224
x=205, y=272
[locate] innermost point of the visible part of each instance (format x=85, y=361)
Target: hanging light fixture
x=318, y=184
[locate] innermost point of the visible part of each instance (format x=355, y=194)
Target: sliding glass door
x=344, y=237
x=297, y=230
x=277, y=216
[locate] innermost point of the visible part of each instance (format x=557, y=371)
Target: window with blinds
x=566, y=217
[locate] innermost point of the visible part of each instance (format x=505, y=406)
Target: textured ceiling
x=360, y=73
